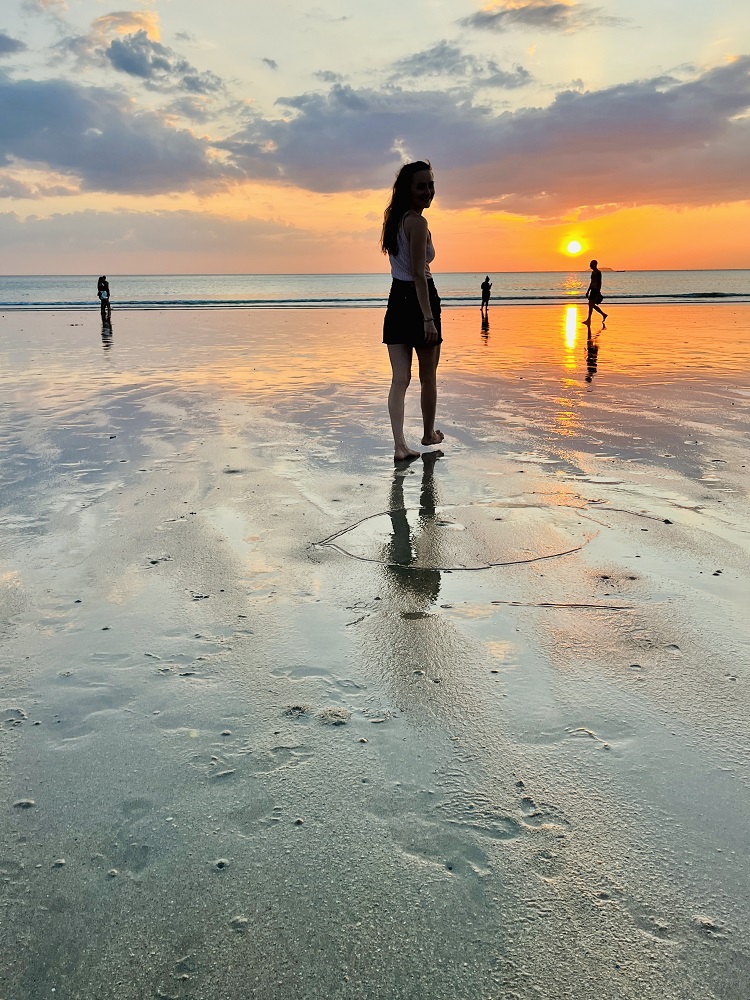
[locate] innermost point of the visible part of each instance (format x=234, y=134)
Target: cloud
x=34, y=185
x=446, y=60
x=328, y=76
x=159, y=66
x=44, y=6
x=90, y=48
x=12, y=187
x=9, y=46
x=271, y=63
x=544, y=15
x=136, y=51
x=124, y=22
x=98, y=137
x=193, y=108
x=657, y=141
x=134, y=242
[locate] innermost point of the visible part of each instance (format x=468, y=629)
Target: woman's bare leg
x=428, y=362
x=400, y=355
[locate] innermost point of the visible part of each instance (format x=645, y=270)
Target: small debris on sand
x=334, y=716
x=296, y=711
x=220, y=863
x=24, y=804
x=239, y=924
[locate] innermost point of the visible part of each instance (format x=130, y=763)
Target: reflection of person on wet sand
x=485, y=328
x=412, y=319
x=594, y=293
x=592, y=355
x=405, y=547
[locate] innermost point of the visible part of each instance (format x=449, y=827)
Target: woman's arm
x=415, y=227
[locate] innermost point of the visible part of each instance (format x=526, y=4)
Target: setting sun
x=573, y=247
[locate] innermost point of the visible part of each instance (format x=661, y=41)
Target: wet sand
x=281, y=720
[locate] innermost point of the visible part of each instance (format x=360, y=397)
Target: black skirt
x=404, y=322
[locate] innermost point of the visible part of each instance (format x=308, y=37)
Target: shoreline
x=711, y=299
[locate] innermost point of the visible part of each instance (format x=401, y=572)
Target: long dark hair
x=399, y=205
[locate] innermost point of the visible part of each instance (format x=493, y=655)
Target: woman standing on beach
x=412, y=319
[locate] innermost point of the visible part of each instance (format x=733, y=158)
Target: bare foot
x=604, y=316
x=585, y=322
x=405, y=455
x=435, y=438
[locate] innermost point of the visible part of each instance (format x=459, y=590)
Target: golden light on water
x=571, y=327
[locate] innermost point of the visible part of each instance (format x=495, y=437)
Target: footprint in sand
x=542, y=817
x=276, y=759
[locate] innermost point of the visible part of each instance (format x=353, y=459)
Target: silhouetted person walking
x=594, y=292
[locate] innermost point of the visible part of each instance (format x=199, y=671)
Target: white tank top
x=401, y=265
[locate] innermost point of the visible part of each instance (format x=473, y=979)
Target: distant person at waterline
x=486, y=285
x=102, y=290
x=412, y=318
x=594, y=292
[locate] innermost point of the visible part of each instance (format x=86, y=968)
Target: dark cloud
x=138, y=55
x=544, y=15
x=446, y=60
x=271, y=63
x=96, y=136
x=657, y=141
x=9, y=46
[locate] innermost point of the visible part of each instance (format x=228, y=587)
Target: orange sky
x=139, y=141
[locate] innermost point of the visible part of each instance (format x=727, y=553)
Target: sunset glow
x=216, y=139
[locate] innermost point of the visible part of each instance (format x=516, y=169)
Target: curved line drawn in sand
x=554, y=604
x=331, y=540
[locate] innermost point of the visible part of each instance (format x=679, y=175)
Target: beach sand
x=279, y=720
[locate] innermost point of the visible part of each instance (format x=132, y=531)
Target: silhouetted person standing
x=102, y=290
x=594, y=292
x=486, y=285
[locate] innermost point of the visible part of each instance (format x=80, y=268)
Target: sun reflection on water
x=570, y=333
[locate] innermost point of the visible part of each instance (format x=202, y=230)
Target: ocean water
x=247, y=291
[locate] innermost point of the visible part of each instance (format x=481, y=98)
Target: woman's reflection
x=418, y=547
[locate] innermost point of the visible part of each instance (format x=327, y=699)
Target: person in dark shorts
x=594, y=292
x=412, y=319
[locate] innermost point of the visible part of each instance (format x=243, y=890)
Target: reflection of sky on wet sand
x=186, y=474
x=327, y=369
